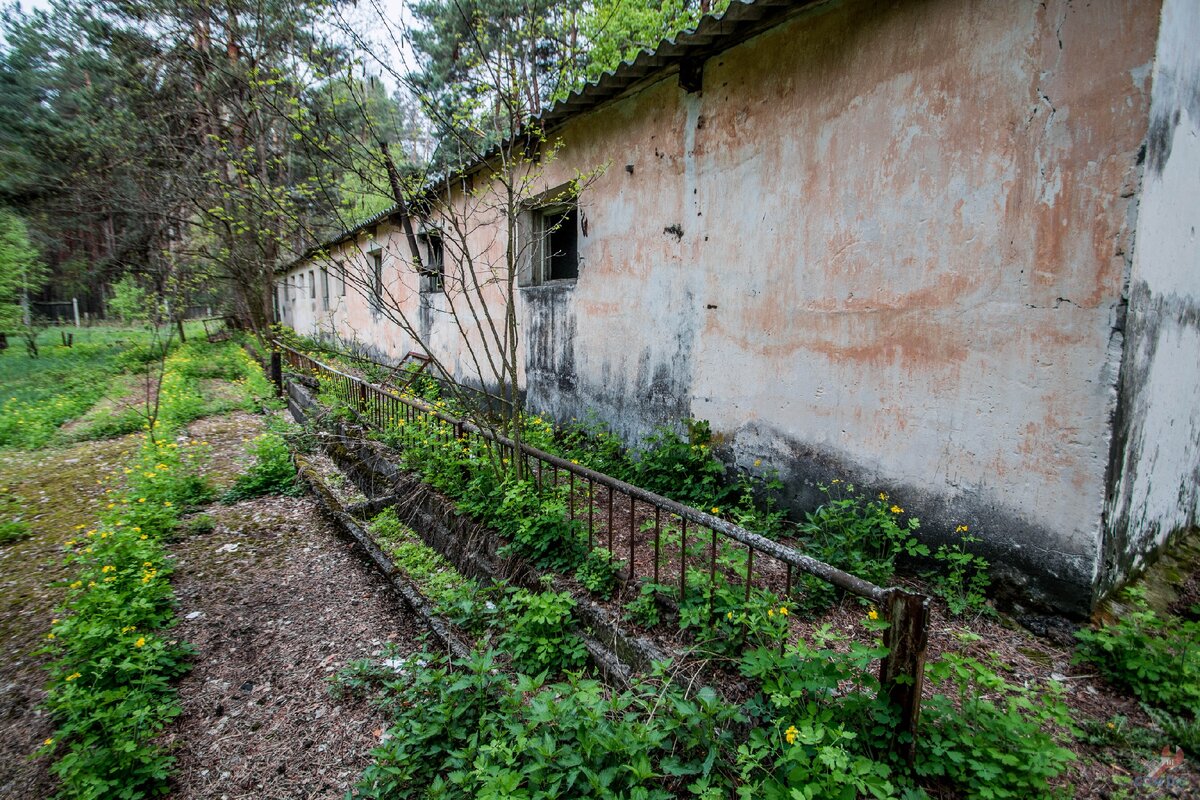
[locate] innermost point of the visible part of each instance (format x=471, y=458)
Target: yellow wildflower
x=48, y=742
x=141, y=642
x=790, y=734
x=783, y=611
x=716, y=510
x=73, y=676
x=873, y=614
x=897, y=510
x=883, y=496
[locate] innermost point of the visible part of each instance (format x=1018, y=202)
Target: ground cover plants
x=40, y=394
x=113, y=658
x=818, y=723
x=1156, y=656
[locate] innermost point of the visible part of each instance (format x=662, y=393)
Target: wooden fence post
x=902, y=671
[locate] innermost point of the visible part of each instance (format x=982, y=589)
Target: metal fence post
x=277, y=371
x=902, y=671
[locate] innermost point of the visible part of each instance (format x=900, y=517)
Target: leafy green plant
x=1156, y=656
x=539, y=526
x=684, y=469
x=130, y=302
x=13, y=526
x=1179, y=730
x=643, y=609
x=861, y=535
x=538, y=636
x=272, y=471
x=962, y=579
x=466, y=729
x=201, y=524
x=598, y=572
x=994, y=739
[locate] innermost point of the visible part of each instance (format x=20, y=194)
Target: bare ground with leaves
x=275, y=603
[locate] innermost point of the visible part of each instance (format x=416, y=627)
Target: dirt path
x=275, y=602
x=59, y=486
x=272, y=599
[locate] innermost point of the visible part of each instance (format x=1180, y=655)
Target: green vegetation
x=468, y=730
x=41, y=394
x=12, y=517
x=272, y=471
x=598, y=572
x=113, y=659
x=859, y=534
x=109, y=687
x=1156, y=656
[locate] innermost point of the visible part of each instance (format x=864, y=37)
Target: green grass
x=40, y=395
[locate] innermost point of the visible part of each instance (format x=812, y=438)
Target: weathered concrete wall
x=886, y=243
x=904, y=242
x=1155, y=478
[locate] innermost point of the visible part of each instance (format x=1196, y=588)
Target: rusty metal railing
x=901, y=670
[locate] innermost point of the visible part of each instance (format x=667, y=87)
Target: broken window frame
x=433, y=267
x=376, y=259
x=536, y=265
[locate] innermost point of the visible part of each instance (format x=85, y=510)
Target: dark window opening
x=312, y=286
x=377, y=281
x=560, y=261
x=325, y=288
x=433, y=270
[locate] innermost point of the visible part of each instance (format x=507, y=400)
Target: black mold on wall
x=1026, y=574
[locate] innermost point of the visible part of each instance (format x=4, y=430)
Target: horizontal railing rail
x=901, y=671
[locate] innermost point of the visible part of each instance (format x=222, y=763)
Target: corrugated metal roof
x=742, y=20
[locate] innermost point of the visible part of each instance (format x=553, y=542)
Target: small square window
x=552, y=250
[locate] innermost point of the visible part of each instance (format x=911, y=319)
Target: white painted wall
x=1156, y=479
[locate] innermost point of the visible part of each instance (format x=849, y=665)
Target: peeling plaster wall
x=886, y=242
x=905, y=237
x=1155, y=478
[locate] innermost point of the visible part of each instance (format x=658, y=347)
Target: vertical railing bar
x=749, y=570
x=591, y=510
x=610, y=517
x=571, y=494
x=632, y=538
x=657, y=530
x=682, y=559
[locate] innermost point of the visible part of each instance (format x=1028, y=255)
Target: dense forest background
x=172, y=153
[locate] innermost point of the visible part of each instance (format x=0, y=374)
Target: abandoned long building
x=939, y=247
